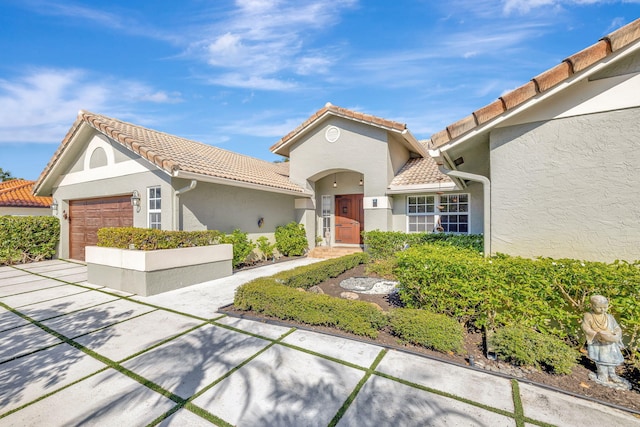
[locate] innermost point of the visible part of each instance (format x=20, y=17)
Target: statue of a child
x=604, y=342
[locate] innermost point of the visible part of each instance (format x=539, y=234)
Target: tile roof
x=419, y=171
x=19, y=193
x=340, y=112
x=541, y=83
x=174, y=154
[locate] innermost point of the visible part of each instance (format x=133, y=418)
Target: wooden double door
x=349, y=214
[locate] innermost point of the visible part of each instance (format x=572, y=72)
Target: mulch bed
x=577, y=383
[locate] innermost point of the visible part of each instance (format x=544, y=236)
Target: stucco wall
x=568, y=187
x=10, y=210
x=224, y=208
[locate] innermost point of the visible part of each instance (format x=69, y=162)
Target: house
x=347, y=172
x=559, y=157
x=16, y=198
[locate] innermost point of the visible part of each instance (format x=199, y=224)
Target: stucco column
x=306, y=215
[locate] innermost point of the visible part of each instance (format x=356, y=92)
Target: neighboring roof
x=418, y=171
x=19, y=193
x=541, y=83
x=177, y=155
x=329, y=109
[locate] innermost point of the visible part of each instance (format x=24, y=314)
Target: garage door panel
x=88, y=216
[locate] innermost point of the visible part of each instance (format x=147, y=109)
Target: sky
x=241, y=74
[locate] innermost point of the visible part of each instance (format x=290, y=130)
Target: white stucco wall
x=568, y=187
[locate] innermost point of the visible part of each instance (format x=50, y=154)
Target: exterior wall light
x=54, y=207
x=361, y=183
x=135, y=200
x=335, y=183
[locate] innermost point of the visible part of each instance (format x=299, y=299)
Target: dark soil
x=577, y=383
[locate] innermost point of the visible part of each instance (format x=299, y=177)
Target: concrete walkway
x=73, y=354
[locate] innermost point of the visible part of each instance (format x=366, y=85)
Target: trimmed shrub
x=430, y=330
x=147, y=239
x=291, y=239
x=385, y=244
x=242, y=246
x=28, y=238
x=266, y=296
x=526, y=347
x=310, y=275
x=265, y=247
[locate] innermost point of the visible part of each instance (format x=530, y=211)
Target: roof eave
x=421, y=188
x=436, y=148
x=241, y=184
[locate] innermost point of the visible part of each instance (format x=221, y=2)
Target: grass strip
x=347, y=403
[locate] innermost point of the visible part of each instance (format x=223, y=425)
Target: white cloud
x=41, y=105
x=261, y=41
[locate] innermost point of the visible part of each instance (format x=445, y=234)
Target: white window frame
x=326, y=215
x=438, y=213
x=154, y=204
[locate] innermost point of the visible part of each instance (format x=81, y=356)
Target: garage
x=89, y=215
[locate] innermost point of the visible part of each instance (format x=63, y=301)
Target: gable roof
x=180, y=157
x=540, y=84
x=282, y=146
x=418, y=173
x=18, y=193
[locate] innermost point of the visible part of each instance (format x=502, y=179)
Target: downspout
x=486, y=186
x=176, y=205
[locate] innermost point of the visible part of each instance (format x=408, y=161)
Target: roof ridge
x=341, y=112
x=541, y=83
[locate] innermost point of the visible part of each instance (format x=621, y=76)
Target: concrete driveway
x=74, y=354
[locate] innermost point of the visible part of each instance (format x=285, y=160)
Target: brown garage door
x=87, y=216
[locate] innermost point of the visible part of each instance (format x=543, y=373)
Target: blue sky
x=241, y=74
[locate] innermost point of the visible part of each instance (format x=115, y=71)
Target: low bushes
x=430, y=330
x=546, y=295
x=28, y=238
x=385, y=244
x=267, y=296
x=242, y=246
x=310, y=275
x=526, y=347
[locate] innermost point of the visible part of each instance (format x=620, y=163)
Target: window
x=447, y=213
x=155, y=207
x=326, y=217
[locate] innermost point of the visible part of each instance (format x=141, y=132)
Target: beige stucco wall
x=11, y=210
x=568, y=187
x=225, y=208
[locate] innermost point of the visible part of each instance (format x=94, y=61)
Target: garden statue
x=604, y=342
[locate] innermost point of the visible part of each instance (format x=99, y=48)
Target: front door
x=349, y=219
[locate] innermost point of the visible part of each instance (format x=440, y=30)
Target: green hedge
x=28, y=238
x=543, y=294
x=310, y=275
x=384, y=244
x=526, y=347
x=430, y=330
x=147, y=239
x=269, y=297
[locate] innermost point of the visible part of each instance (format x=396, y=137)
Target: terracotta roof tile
x=19, y=193
x=341, y=112
x=519, y=95
x=172, y=153
x=543, y=82
x=462, y=126
x=589, y=56
x=419, y=170
x=487, y=113
x=553, y=76
x=623, y=36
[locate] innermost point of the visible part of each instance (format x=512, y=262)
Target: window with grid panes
x=155, y=207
